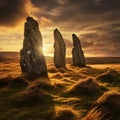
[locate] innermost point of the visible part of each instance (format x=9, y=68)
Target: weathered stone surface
x=59, y=50
x=32, y=60
x=77, y=53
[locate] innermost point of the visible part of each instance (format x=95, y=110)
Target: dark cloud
x=105, y=44
x=11, y=12
x=79, y=10
x=46, y=4
x=97, y=22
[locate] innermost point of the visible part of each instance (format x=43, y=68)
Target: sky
x=95, y=22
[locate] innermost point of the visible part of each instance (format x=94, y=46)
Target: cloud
x=68, y=43
x=12, y=11
x=77, y=10
x=101, y=44
x=96, y=22
x=46, y=4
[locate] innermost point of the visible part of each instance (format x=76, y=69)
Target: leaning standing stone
x=59, y=50
x=77, y=53
x=32, y=60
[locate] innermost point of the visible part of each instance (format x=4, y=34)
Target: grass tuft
x=86, y=86
x=107, y=107
x=110, y=76
x=13, y=82
x=66, y=113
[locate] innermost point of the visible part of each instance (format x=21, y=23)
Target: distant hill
x=99, y=60
x=14, y=57
x=9, y=56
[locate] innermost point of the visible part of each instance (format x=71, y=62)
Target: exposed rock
x=77, y=53
x=107, y=107
x=32, y=60
x=59, y=50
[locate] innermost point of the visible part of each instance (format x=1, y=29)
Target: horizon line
x=66, y=56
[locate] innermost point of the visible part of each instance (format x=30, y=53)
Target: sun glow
x=48, y=51
x=45, y=50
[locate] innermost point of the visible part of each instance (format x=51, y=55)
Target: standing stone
x=59, y=50
x=32, y=60
x=77, y=53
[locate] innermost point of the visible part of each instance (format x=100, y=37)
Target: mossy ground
x=52, y=99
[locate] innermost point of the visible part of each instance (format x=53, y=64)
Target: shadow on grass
x=27, y=102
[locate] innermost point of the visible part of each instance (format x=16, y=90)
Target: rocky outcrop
x=77, y=53
x=59, y=50
x=32, y=60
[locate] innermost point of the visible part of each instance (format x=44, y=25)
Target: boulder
x=77, y=53
x=32, y=60
x=59, y=50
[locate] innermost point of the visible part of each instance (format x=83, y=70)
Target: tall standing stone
x=77, y=53
x=32, y=60
x=59, y=50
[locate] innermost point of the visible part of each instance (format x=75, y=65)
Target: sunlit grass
x=50, y=98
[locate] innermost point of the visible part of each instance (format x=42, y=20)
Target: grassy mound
x=52, y=69
x=66, y=113
x=65, y=94
x=110, y=76
x=62, y=70
x=107, y=107
x=86, y=87
x=73, y=75
x=43, y=83
x=33, y=102
x=38, y=90
x=57, y=76
x=35, y=94
x=13, y=82
x=89, y=71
